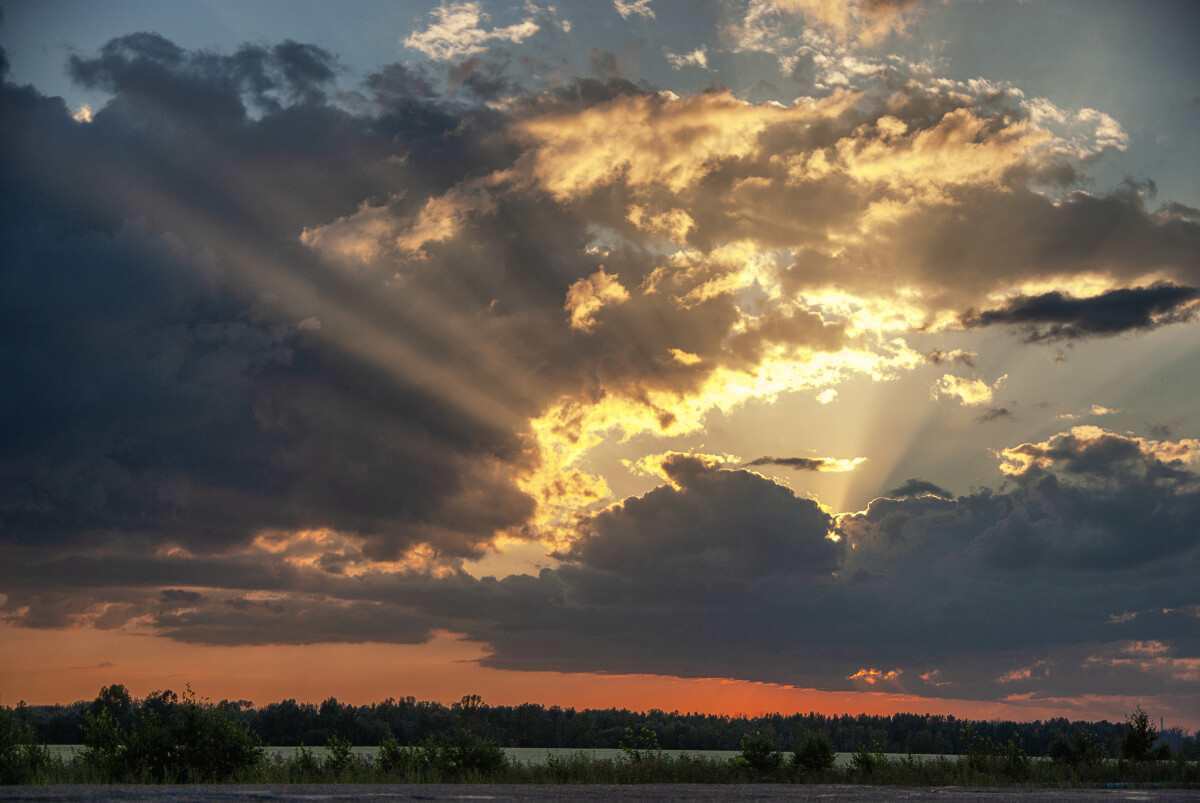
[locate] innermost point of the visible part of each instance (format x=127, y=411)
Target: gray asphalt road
x=587, y=794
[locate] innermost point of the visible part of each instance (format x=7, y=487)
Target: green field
x=533, y=756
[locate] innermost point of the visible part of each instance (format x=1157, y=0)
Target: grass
x=533, y=756
x=470, y=760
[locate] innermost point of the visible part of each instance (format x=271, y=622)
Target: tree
x=1140, y=735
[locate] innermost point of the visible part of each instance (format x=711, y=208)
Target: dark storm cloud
x=1057, y=316
x=715, y=525
x=177, y=358
x=201, y=83
x=1011, y=237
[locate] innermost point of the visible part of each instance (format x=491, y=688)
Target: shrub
x=339, y=757
x=393, y=759
x=639, y=744
x=759, y=753
x=473, y=754
x=168, y=741
x=22, y=759
x=867, y=760
x=816, y=754
x=1016, y=762
x=304, y=766
x=104, y=745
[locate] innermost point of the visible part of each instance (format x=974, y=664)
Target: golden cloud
x=969, y=392
x=587, y=296
x=652, y=142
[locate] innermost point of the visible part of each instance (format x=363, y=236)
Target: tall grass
x=469, y=759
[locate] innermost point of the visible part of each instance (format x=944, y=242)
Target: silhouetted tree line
x=411, y=721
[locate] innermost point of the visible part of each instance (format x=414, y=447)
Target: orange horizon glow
x=43, y=668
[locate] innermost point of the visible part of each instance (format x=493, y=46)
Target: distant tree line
x=410, y=722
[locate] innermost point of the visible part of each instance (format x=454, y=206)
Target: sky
x=723, y=355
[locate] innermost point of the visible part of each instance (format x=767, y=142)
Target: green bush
x=815, y=754
x=167, y=741
x=473, y=754
x=104, y=746
x=640, y=744
x=867, y=761
x=394, y=760
x=22, y=759
x=339, y=757
x=759, y=753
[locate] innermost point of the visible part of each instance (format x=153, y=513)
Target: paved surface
x=382, y=793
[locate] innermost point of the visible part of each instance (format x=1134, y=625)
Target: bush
x=639, y=744
x=168, y=741
x=22, y=759
x=759, y=753
x=304, y=766
x=393, y=759
x=104, y=745
x=815, y=755
x=868, y=760
x=474, y=754
x=339, y=757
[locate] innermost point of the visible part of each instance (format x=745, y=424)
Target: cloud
x=809, y=463
x=969, y=392
x=873, y=676
x=994, y=414
x=938, y=356
x=755, y=569
x=917, y=487
x=628, y=8
x=1097, y=455
x=162, y=74
x=587, y=296
x=1056, y=316
x=187, y=282
x=865, y=22
x=697, y=58
x=284, y=363
x=456, y=30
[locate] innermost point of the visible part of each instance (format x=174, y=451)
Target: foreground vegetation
x=167, y=738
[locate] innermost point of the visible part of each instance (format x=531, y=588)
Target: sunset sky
x=717, y=355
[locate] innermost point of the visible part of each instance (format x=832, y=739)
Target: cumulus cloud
x=866, y=21
x=628, y=8
x=696, y=58
x=969, y=392
x=457, y=30
x=587, y=296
